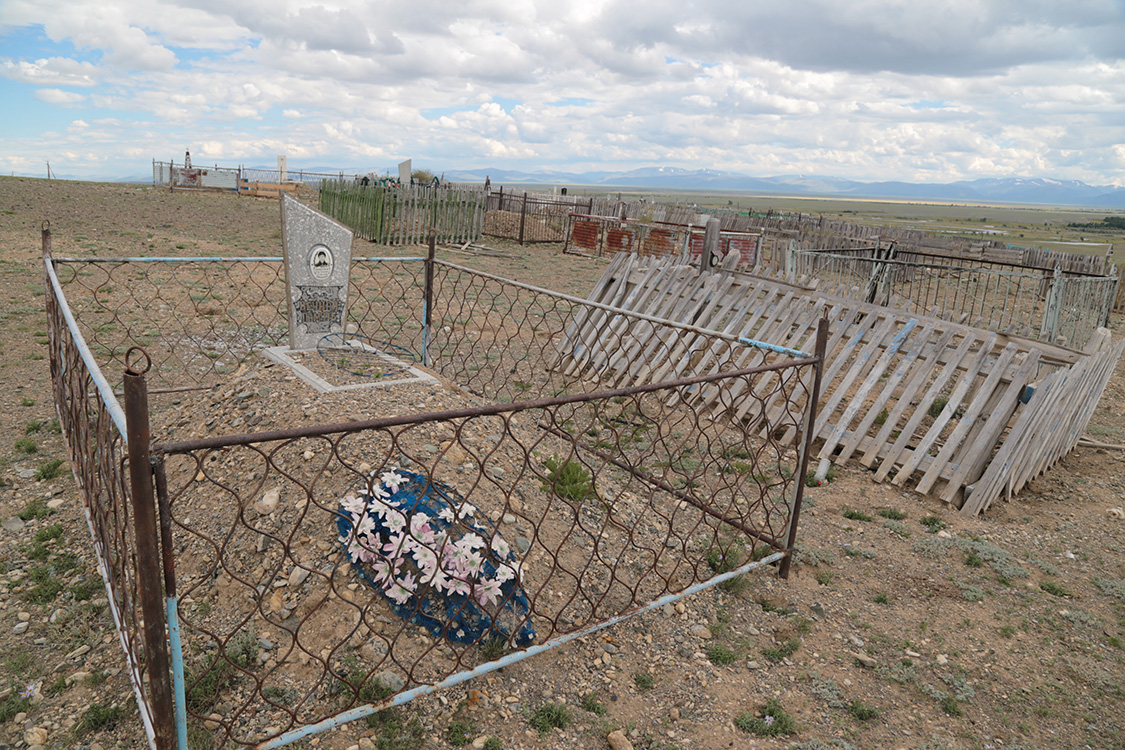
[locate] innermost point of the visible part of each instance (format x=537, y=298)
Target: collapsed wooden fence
x=916, y=398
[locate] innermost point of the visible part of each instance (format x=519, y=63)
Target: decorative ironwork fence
x=377, y=569
x=1048, y=304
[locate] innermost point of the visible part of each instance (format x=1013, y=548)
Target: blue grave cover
x=415, y=540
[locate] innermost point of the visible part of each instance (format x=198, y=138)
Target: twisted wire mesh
x=1002, y=297
x=511, y=342
x=199, y=319
x=609, y=501
x=96, y=445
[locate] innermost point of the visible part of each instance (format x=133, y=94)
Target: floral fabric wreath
x=415, y=541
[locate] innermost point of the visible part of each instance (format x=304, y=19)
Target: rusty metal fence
x=377, y=569
x=1052, y=305
x=528, y=217
x=599, y=235
x=93, y=424
x=216, y=312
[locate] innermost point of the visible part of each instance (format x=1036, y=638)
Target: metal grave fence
x=378, y=570
x=1051, y=305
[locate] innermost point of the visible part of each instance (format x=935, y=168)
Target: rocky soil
x=904, y=624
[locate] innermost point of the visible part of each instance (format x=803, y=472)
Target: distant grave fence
x=530, y=217
x=573, y=507
x=1053, y=305
x=407, y=215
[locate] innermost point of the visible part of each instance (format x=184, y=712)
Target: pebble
x=942, y=659
x=390, y=680
x=13, y=524
x=700, y=631
x=56, y=503
x=480, y=742
x=865, y=660
x=269, y=501
x=24, y=616
x=21, y=628
x=36, y=736
x=523, y=544
x=298, y=576
x=618, y=740
x=78, y=652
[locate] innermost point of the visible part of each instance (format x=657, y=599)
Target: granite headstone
x=318, y=253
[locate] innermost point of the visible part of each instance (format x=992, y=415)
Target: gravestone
x=318, y=254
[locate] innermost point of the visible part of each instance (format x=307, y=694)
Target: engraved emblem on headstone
x=319, y=309
x=317, y=263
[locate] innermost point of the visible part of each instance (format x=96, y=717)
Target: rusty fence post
x=428, y=309
x=523, y=216
x=147, y=539
x=806, y=447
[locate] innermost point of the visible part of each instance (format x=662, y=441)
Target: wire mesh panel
x=512, y=341
x=373, y=566
x=199, y=319
x=1004, y=297
x=94, y=428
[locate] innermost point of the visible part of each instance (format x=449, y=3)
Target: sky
x=862, y=89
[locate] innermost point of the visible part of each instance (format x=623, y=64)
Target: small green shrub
x=591, y=704
x=721, y=655
x=881, y=598
x=27, y=402
x=950, y=706
x=49, y=470
x=85, y=589
x=644, y=681
x=973, y=560
x=26, y=445
x=492, y=743
x=35, y=510
x=33, y=426
x=824, y=577
x=862, y=711
x=12, y=705
x=773, y=722
x=933, y=524
x=548, y=717
x=936, y=406
x=784, y=651
x=1054, y=589
x=881, y=417
x=460, y=732
x=98, y=717
x=492, y=648
x=892, y=513
x=569, y=480
x=51, y=533
x=46, y=587
x=857, y=515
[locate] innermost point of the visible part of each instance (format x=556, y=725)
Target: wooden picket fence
x=915, y=398
x=406, y=215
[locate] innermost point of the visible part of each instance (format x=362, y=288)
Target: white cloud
x=875, y=89
x=60, y=97
x=55, y=71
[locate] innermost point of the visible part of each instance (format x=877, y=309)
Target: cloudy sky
x=864, y=89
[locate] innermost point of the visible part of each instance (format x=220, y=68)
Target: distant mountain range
x=1039, y=190
x=1002, y=190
